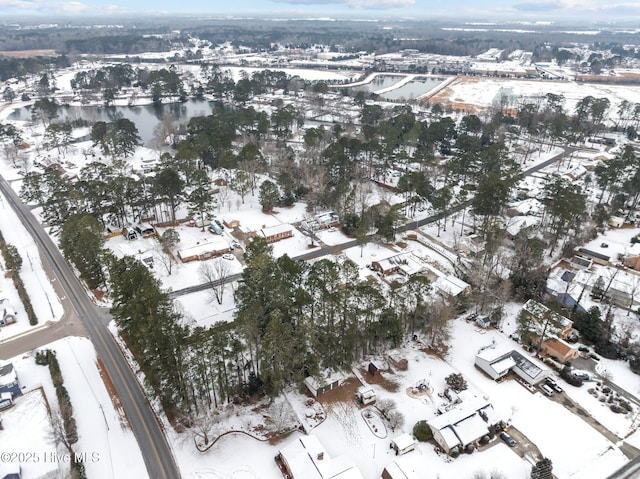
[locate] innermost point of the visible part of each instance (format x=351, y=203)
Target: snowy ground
x=583, y=453
x=43, y=297
x=104, y=436
x=484, y=92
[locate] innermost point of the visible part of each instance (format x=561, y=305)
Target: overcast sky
x=596, y=10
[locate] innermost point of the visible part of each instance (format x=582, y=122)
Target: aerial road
x=153, y=444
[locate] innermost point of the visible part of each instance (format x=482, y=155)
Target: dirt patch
x=344, y=393
x=381, y=380
x=115, y=399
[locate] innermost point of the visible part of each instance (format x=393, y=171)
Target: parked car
x=546, y=389
x=511, y=442
x=228, y=256
x=219, y=223
x=553, y=385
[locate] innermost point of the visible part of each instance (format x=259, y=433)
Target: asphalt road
x=156, y=452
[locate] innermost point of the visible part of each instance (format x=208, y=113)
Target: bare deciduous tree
x=215, y=273
x=280, y=416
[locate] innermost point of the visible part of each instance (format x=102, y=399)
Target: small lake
x=413, y=89
x=146, y=117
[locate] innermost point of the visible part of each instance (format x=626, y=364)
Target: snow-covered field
x=484, y=92
x=105, y=439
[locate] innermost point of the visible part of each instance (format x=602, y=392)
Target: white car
x=228, y=256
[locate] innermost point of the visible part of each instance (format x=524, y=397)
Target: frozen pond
x=146, y=117
x=413, y=89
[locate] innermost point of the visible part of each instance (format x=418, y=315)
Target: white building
x=500, y=360
x=464, y=425
x=306, y=458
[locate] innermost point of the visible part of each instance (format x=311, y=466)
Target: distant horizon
x=565, y=11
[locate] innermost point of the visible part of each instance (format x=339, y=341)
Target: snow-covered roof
x=450, y=285
x=275, y=230
x=471, y=428
x=518, y=223
x=459, y=413
x=449, y=437
x=400, y=470
x=7, y=374
x=494, y=352
x=503, y=365
x=539, y=310
x=404, y=441
x=214, y=246
x=307, y=458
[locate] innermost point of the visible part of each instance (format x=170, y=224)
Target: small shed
x=365, y=395
x=616, y=222
x=373, y=369
x=320, y=385
x=403, y=444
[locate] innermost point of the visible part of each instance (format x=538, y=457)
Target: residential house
x=276, y=233
x=463, y=426
x=473, y=244
x=404, y=263
x=559, y=349
x=499, y=361
x=306, y=458
x=8, y=314
x=399, y=470
x=544, y=318
x=203, y=251
x=9, y=382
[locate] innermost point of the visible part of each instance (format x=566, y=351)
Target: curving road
x=155, y=449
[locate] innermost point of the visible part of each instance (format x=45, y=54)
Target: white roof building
x=204, y=250
x=498, y=361
x=399, y=469
x=463, y=425
x=306, y=458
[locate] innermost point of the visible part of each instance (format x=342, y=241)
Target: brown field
x=28, y=53
x=443, y=96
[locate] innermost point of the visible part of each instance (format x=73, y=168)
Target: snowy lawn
x=576, y=449
x=103, y=432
